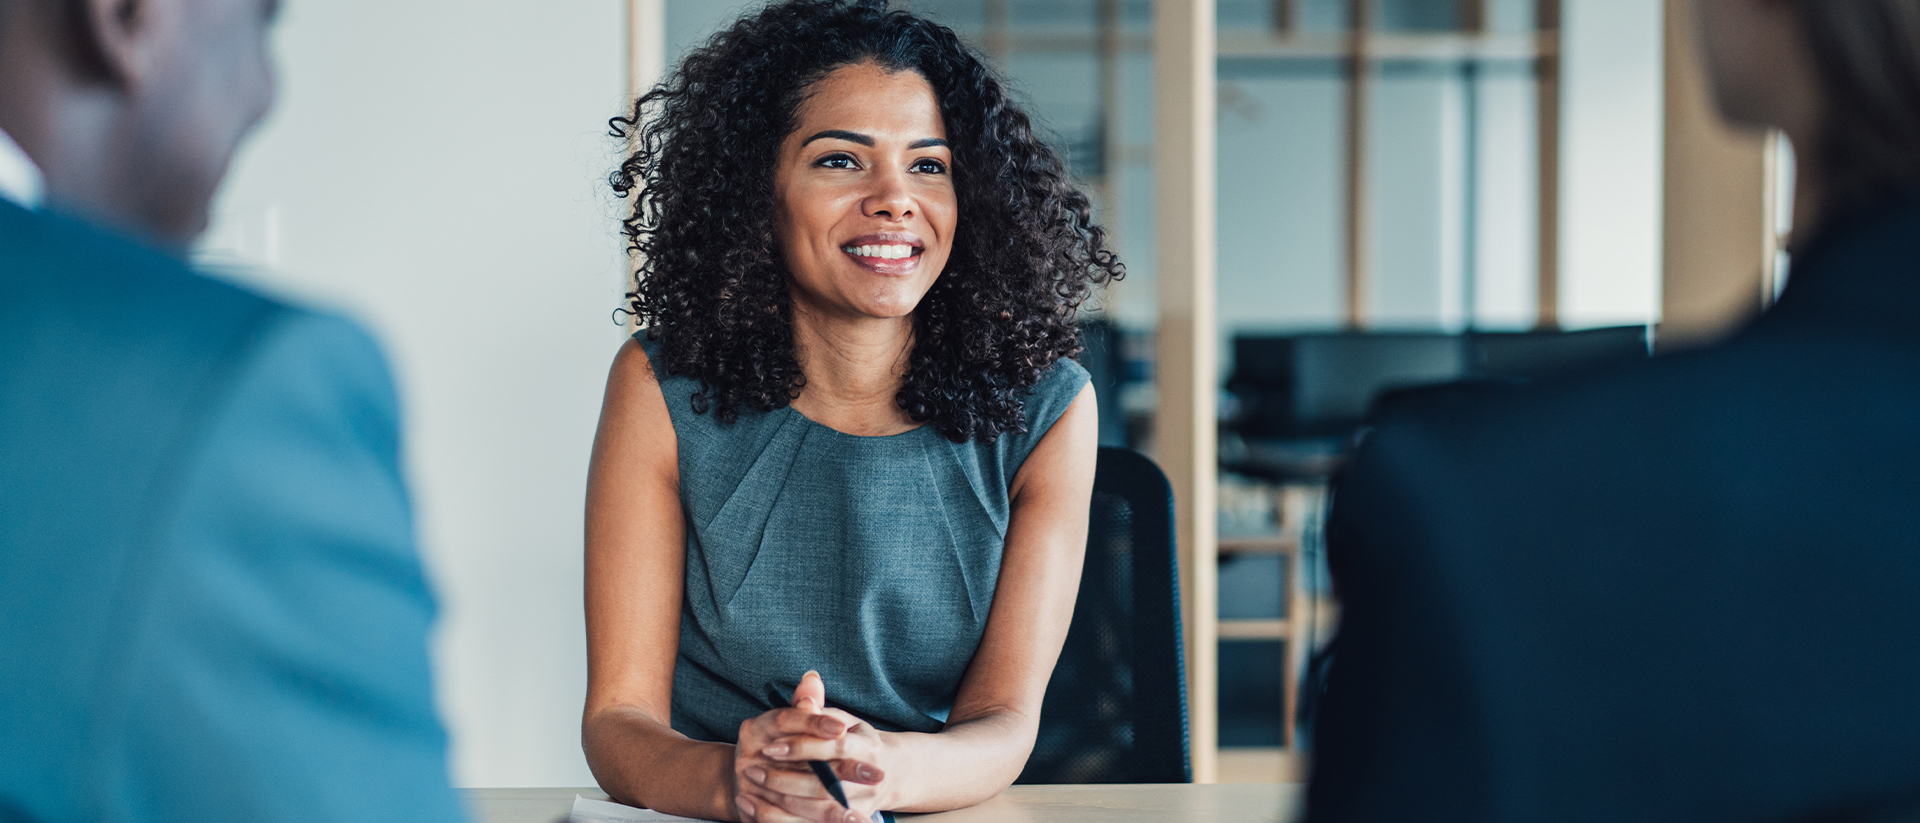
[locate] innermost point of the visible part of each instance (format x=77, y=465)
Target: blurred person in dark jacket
x=213, y=609
x=1682, y=590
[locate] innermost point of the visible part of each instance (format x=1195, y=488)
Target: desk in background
x=1218, y=803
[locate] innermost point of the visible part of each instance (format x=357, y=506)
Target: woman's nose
x=889, y=198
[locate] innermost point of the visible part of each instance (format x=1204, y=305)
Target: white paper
x=602, y=811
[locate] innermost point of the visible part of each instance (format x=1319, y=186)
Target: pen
x=830, y=780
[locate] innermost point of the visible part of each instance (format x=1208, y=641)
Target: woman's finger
x=852, y=719
x=807, y=747
x=811, y=694
x=765, y=805
x=802, y=783
x=778, y=807
x=782, y=722
x=847, y=719
x=857, y=771
x=794, y=721
x=828, y=726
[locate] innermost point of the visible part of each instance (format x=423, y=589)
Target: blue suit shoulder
x=71, y=278
x=228, y=616
x=132, y=340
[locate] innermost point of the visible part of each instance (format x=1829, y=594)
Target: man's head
x=1840, y=77
x=133, y=108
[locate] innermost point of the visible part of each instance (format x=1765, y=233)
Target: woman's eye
x=835, y=161
x=930, y=167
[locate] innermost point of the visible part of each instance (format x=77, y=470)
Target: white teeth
x=882, y=252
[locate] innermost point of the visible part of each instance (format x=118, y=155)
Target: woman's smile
x=886, y=253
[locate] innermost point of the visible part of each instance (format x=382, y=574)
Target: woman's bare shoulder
x=634, y=419
x=631, y=361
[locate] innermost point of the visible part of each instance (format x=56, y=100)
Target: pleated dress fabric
x=870, y=559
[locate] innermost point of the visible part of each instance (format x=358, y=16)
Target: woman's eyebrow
x=840, y=134
x=864, y=140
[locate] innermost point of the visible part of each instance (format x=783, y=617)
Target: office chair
x=1116, y=708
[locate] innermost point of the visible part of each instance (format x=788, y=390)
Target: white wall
x=437, y=168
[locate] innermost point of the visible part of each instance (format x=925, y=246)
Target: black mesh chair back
x=1116, y=708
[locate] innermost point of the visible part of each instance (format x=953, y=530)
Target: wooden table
x=1220, y=803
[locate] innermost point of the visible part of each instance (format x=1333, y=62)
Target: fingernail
x=867, y=773
x=777, y=750
x=832, y=726
x=757, y=774
x=813, y=672
x=744, y=803
x=854, y=817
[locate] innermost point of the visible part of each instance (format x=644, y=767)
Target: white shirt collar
x=20, y=179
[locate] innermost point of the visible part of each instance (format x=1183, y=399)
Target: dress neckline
x=869, y=437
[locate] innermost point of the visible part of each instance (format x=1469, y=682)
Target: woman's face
x=864, y=202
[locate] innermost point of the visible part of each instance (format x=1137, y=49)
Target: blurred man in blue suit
x=211, y=607
x=1686, y=590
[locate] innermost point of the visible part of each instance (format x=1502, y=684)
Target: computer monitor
x=1323, y=385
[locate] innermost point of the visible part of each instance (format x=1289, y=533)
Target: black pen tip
x=831, y=781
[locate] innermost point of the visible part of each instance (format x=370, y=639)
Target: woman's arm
x=635, y=566
x=996, y=714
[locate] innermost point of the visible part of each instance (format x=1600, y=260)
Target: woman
x=850, y=439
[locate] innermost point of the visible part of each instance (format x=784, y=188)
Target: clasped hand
x=774, y=784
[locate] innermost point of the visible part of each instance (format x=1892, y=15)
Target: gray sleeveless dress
x=871, y=559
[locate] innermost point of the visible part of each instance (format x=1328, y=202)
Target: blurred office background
x=1403, y=192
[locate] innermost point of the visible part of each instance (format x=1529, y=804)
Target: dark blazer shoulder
x=1508, y=423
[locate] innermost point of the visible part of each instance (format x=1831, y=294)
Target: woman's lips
x=885, y=258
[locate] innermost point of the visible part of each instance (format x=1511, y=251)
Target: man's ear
x=114, y=40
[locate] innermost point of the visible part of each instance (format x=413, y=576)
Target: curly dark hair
x=712, y=287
